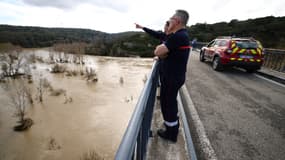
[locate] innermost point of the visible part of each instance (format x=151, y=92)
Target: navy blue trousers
x=168, y=96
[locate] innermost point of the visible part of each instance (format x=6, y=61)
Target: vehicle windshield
x=247, y=44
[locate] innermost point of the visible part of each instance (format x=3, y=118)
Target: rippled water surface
x=94, y=121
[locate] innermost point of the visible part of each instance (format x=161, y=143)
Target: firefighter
x=174, y=55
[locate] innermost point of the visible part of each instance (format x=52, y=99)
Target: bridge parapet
x=134, y=142
x=274, y=59
x=144, y=120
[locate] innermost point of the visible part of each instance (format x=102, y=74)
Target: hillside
x=43, y=37
x=269, y=30
x=100, y=43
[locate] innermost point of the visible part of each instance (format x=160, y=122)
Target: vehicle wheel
x=217, y=66
x=202, y=56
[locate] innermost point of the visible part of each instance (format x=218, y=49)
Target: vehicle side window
x=223, y=43
x=211, y=44
x=217, y=42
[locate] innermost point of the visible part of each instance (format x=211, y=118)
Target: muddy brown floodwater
x=94, y=121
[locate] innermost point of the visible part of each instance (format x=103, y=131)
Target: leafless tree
x=51, y=56
x=11, y=61
x=17, y=50
x=91, y=74
x=5, y=69
x=7, y=64
x=21, y=97
x=57, y=68
x=2, y=78
x=32, y=58
x=19, y=63
x=43, y=85
x=77, y=49
x=28, y=73
x=30, y=97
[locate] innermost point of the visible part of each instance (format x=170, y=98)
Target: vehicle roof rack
x=234, y=37
x=225, y=37
x=246, y=38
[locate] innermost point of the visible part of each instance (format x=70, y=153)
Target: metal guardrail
x=199, y=45
x=134, y=142
x=274, y=59
x=190, y=146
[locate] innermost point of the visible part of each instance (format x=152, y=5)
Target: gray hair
x=183, y=15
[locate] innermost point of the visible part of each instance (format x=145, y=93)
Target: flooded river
x=94, y=121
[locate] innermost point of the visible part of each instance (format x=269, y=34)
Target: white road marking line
x=269, y=80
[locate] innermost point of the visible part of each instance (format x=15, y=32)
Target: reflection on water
x=95, y=120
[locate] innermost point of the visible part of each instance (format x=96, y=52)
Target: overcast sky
x=113, y=16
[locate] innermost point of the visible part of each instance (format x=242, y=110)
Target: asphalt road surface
x=243, y=115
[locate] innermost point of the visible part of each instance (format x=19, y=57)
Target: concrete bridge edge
x=202, y=144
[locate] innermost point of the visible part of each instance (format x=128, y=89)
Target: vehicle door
x=208, y=49
x=212, y=49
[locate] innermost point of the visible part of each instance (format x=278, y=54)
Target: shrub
x=57, y=68
x=91, y=155
x=53, y=145
x=91, y=75
x=57, y=92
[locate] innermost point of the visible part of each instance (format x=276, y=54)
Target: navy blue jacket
x=156, y=34
x=175, y=64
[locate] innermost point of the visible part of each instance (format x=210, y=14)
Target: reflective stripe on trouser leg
x=171, y=124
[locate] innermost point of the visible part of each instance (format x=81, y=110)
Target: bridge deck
x=162, y=149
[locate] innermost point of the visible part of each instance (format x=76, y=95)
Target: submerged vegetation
x=91, y=155
x=18, y=79
x=39, y=84
x=20, y=95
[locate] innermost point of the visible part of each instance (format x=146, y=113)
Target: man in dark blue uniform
x=162, y=36
x=174, y=53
